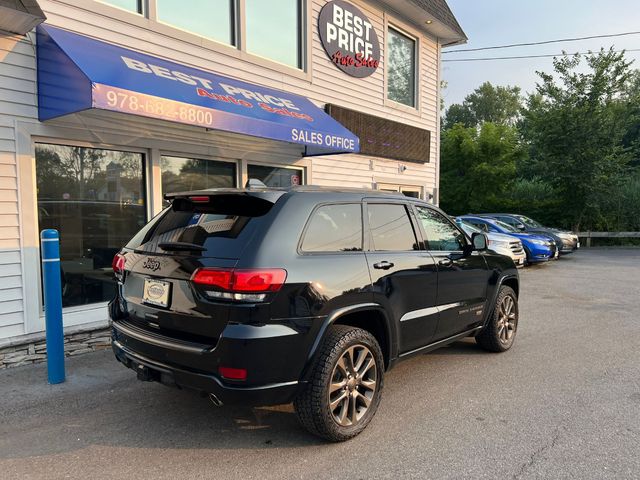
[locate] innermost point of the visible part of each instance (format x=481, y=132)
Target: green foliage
x=480, y=167
x=569, y=157
x=499, y=105
x=575, y=125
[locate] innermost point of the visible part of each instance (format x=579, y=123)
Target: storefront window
x=209, y=18
x=95, y=198
x=275, y=176
x=184, y=174
x=131, y=5
x=274, y=30
x=401, y=68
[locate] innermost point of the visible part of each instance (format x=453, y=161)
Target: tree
x=574, y=125
x=499, y=105
x=478, y=167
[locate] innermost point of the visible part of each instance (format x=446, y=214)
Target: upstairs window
x=134, y=6
x=214, y=19
x=401, y=68
x=274, y=30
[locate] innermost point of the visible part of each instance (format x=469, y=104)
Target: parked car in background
x=499, y=243
x=538, y=248
x=566, y=241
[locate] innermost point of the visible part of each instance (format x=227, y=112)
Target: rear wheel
x=344, y=390
x=500, y=331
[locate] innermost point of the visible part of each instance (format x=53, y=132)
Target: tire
x=500, y=331
x=313, y=405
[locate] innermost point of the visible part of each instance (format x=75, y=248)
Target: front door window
x=95, y=198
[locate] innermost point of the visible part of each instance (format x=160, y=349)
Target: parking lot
x=563, y=403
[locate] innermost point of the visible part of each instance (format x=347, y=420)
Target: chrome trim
x=424, y=312
x=158, y=342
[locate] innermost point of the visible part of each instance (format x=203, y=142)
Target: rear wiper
x=182, y=246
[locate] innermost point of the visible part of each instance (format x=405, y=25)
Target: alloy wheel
x=353, y=385
x=507, y=319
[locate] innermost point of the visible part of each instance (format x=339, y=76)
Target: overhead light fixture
x=429, y=22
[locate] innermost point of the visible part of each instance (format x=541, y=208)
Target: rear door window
x=334, y=228
x=218, y=227
x=391, y=228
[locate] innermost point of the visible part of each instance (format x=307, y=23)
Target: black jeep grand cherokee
x=265, y=296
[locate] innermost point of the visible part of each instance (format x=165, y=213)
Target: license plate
x=578, y=245
x=156, y=292
x=557, y=254
x=521, y=261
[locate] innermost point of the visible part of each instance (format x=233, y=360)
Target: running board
x=440, y=343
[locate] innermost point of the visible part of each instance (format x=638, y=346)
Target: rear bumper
x=153, y=370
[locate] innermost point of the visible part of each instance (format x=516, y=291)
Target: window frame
x=36, y=140
x=425, y=238
x=166, y=153
x=404, y=29
x=363, y=222
x=417, y=232
x=148, y=20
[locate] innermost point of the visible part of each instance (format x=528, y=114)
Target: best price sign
x=349, y=39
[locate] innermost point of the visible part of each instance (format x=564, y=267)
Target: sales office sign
x=349, y=39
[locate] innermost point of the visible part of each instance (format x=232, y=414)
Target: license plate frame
x=156, y=292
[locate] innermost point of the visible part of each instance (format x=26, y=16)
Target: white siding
x=328, y=84
x=325, y=84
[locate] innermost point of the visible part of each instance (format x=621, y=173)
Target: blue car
x=539, y=248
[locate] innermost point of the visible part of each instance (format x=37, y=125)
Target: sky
x=500, y=22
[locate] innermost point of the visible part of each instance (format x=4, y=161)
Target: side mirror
x=521, y=227
x=479, y=241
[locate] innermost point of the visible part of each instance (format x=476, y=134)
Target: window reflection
x=95, y=199
x=391, y=228
x=185, y=174
x=401, y=68
x=274, y=30
x=441, y=234
x=209, y=18
x=275, y=176
x=131, y=5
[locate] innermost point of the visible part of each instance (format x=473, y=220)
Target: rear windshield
x=221, y=227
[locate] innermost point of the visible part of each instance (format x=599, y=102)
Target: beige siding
x=328, y=84
x=325, y=84
x=17, y=101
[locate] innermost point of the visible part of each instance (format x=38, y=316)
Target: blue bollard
x=50, y=248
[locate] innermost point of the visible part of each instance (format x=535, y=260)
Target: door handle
x=384, y=265
x=445, y=262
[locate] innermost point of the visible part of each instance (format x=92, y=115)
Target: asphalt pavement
x=564, y=402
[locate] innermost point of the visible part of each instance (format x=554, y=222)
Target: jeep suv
x=307, y=295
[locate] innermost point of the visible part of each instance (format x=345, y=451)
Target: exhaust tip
x=215, y=400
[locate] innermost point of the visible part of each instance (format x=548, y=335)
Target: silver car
x=499, y=243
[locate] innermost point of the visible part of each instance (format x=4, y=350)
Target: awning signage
x=76, y=73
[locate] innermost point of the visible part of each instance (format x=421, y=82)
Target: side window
x=391, y=228
x=334, y=228
x=508, y=221
x=441, y=234
x=482, y=226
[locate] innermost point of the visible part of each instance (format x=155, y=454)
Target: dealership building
x=105, y=106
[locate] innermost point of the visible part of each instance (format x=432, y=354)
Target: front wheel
x=500, y=331
x=344, y=390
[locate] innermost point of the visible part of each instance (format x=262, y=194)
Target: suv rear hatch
x=207, y=229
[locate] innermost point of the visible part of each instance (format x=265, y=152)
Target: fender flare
x=499, y=284
x=341, y=312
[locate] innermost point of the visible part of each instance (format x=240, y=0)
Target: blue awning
x=77, y=73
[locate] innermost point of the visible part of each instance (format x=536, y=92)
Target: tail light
x=236, y=284
x=233, y=373
x=118, y=266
